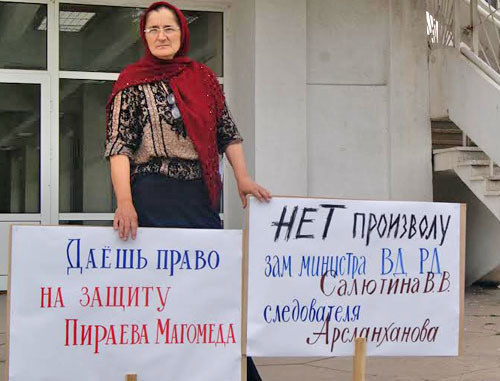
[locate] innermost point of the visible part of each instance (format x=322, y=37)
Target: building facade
x=331, y=97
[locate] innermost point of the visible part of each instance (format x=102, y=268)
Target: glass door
x=24, y=155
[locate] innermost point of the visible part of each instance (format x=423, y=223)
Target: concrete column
x=348, y=134
x=239, y=86
x=267, y=94
x=280, y=96
x=333, y=97
x=409, y=118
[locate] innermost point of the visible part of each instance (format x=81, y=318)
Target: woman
x=167, y=123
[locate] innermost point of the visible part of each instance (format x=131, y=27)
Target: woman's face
x=163, y=34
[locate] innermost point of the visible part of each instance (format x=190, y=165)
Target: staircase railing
x=440, y=22
x=475, y=23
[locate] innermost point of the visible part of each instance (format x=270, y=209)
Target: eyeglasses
x=176, y=114
x=155, y=31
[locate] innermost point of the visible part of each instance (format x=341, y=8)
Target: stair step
x=449, y=143
x=445, y=134
x=485, y=177
x=458, y=148
x=483, y=171
x=492, y=193
x=477, y=178
x=446, y=130
x=474, y=163
x=444, y=124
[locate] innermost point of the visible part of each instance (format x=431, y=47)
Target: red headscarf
x=197, y=94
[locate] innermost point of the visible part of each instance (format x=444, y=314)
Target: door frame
x=36, y=78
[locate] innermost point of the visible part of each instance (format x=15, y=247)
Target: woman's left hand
x=247, y=186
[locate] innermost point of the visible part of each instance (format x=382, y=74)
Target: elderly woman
x=167, y=123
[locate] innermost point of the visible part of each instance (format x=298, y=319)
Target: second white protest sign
x=323, y=272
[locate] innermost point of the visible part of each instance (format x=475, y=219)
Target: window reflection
x=19, y=148
x=207, y=39
x=103, y=38
x=84, y=179
x=23, y=36
x=86, y=223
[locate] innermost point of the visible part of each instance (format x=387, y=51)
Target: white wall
x=239, y=86
x=483, y=238
x=347, y=147
x=267, y=94
x=347, y=42
x=332, y=97
x=368, y=99
x=409, y=119
x=280, y=96
x=347, y=108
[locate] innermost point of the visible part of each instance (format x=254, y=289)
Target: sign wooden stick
x=359, y=359
x=463, y=209
x=131, y=377
x=244, y=298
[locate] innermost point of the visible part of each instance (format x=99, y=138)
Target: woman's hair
x=160, y=6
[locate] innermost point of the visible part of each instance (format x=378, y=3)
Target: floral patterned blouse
x=147, y=126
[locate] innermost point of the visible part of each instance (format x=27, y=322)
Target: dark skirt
x=170, y=203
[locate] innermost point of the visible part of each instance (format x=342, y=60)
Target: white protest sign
x=85, y=305
x=323, y=272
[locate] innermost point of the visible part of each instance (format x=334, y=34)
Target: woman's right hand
x=126, y=220
x=125, y=215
